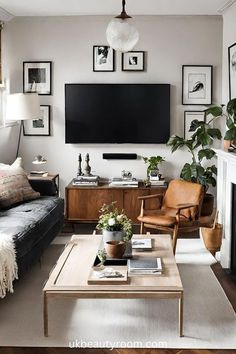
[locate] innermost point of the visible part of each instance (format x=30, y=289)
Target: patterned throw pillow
x=15, y=187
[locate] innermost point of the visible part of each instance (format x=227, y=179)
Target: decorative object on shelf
x=115, y=249
x=121, y=34
x=197, y=84
x=133, y=61
x=40, y=126
x=153, y=163
x=39, y=160
x=86, y=181
x=232, y=70
x=212, y=237
x=114, y=223
x=79, y=173
x=103, y=58
x=229, y=113
x=22, y=107
x=37, y=76
x=126, y=175
x=87, y=169
x=189, y=116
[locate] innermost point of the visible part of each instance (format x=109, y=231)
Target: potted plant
x=153, y=163
x=199, y=146
x=229, y=112
x=115, y=225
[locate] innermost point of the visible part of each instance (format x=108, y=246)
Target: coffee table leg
x=181, y=308
x=45, y=314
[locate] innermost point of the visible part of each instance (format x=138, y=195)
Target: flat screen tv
x=117, y=113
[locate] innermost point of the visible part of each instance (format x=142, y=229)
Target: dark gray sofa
x=33, y=225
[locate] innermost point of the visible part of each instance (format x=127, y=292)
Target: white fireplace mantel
x=226, y=177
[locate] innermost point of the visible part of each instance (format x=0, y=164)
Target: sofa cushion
x=30, y=221
x=15, y=187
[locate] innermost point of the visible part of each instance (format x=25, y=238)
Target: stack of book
x=156, y=181
x=121, y=182
x=144, y=266
x=142, y=244
x=91, y=181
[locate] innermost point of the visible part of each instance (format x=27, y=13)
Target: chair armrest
x=150, y=196
x=185, y=206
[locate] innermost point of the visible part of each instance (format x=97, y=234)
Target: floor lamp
x=20, y=107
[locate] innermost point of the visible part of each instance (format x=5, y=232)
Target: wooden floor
x=223, y=278
x=114, y=351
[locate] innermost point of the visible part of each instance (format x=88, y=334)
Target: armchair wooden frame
x=176, y=228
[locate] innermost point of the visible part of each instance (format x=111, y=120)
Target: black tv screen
x=117, y=113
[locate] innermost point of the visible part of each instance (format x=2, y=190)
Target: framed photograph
x=232, y=71
x=103, y=58
x=37, y=77
x=189, y=116
x=197, y=84
x=133, y=61
x=38, y=127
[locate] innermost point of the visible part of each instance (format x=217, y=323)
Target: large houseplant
x=199, y=146
x=115, y=225
x=229, y=113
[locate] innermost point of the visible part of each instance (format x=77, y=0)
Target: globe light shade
x=122, y=35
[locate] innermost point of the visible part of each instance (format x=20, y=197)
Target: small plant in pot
x=199, y=146
x=115, y=225
x=153, y=163
x=229, y=113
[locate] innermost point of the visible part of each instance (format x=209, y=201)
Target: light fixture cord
x=123, y=5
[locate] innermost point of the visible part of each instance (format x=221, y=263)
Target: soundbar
x=119, y=156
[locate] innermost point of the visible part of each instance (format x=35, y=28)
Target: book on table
x=143, y=266
x=142, y=244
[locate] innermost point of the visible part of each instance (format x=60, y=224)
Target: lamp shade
x=121, y=34
x=22, y=106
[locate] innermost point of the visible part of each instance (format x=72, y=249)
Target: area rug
x=209, y=319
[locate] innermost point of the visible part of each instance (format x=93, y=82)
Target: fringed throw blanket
x=8, y=265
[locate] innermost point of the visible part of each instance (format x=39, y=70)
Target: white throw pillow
x=17, y=163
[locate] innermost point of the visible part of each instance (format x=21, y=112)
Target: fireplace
x=233, y=231
x=226, y=204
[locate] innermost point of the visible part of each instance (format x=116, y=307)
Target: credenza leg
x=45, y=314
x=181, y=309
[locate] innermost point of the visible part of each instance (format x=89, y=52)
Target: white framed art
x=40, y=126
x=189, y=116
x=197, y=84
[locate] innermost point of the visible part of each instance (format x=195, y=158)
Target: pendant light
x=121, y=34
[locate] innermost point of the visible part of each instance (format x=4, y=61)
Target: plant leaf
x=207, y=153
x=216, y=111
x=195, y=124
x=231, y=107
x=214, y=133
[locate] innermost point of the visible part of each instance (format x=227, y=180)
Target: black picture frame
x=37, y=77
x=107, y=54
x=201, y=90
x=189, y=116
x=138, y=63
x=232, y=70
x=32, y=128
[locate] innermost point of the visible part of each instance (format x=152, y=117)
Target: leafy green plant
x=153, y=163
x=111, y=219
x=229, y=112
x=199, y=146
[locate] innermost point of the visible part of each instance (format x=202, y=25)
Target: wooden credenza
x=83, y=203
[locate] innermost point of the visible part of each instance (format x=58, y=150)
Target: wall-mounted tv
x=117, y=113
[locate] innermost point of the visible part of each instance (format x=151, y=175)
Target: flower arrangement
x=111, y=219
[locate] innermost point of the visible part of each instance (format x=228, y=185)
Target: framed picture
x=197, y=84
x=189, y=116
x=37, y=77
x=38, y=127
x=133, y=61
x=232, y=71
x=103, y=58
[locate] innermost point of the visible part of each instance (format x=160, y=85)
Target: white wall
x=170, y=42
x=229, y=38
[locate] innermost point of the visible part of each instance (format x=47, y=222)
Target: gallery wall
x=169, y=42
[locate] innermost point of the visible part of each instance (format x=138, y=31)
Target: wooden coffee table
x=69, y=277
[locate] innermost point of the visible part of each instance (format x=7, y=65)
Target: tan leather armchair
x=179, y=209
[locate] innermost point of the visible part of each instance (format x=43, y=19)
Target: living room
x=67, y=37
